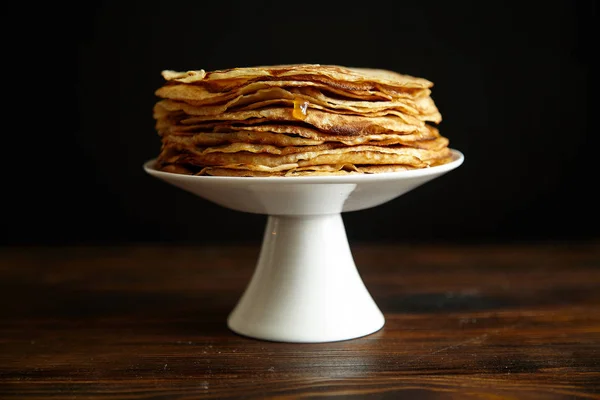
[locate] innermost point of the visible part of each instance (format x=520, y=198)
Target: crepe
x=324, y=121
x=343, y=78
x=296, y=120
x=265, y=157
x=321, y=170
x=279, y=141
x=260, y=94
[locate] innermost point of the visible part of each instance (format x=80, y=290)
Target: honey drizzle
x=300, y=109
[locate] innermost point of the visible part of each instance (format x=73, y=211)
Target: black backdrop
x=513, y=81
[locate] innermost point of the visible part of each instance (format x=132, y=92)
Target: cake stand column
x=305, y=287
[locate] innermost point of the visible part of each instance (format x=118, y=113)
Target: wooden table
x=149, y=322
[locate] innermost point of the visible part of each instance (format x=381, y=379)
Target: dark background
x=514, y=82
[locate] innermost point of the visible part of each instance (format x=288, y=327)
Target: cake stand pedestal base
x=305, y=287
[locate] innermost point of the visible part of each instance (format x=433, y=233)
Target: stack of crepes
x=293, y=120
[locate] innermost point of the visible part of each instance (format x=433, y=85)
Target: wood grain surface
x=149, y=322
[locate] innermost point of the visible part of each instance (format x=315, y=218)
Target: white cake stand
x=305, y=287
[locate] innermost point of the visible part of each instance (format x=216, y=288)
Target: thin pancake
x=318, y=155
x=406, y=110
x=428, y=132
x=332, y=75
x=264, y=100
x=195, y=96
x=319, y=170
x=214, y=140
x=350, y=125
x=198, y=95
